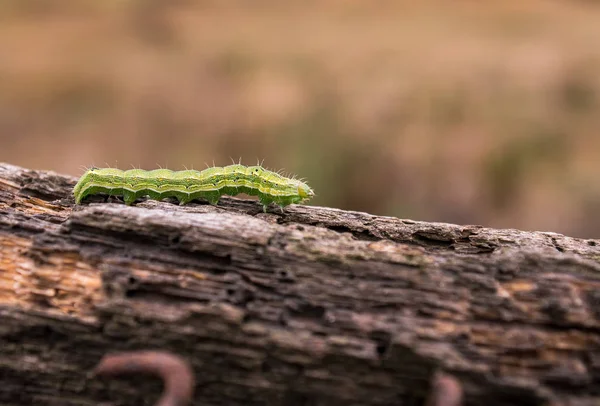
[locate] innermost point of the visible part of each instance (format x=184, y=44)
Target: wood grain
x=315, y=306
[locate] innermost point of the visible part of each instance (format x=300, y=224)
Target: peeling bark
x=315, y=306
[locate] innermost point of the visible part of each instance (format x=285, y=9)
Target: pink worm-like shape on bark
x=175, y=372
x=445, y=391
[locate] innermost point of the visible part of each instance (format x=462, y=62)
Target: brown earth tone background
x=442, y=111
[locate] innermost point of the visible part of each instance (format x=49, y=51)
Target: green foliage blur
x=441, y=111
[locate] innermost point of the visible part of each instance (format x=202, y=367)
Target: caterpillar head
x=304, y=191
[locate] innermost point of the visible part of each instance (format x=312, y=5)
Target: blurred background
x=464, y=112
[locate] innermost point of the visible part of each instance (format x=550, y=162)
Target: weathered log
x=315, y=306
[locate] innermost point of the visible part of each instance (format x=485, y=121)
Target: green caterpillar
x=188, y=185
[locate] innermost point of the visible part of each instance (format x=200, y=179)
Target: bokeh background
x=465, y=112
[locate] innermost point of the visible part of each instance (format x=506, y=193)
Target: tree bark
x=315, y=306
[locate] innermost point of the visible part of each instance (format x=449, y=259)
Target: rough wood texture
x=316, y=306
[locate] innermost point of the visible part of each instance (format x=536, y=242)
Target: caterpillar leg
x=213, y=200
x=265, y=201
x=128, y=197
x=184, y=199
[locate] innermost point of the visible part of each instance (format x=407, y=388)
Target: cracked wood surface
x=315, y=306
